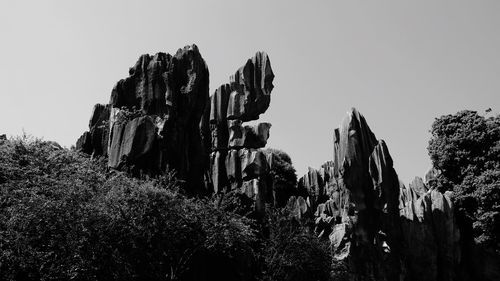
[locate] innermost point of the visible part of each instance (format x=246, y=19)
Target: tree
x=465, y=147
x=283, y=175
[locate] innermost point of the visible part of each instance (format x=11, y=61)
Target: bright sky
x=401, y=63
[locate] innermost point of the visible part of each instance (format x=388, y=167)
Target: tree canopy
x=283, y=175
x=465, y=148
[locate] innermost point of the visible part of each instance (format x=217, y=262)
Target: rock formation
x=95, y=141
x=236, y=158
x=152, y=122
x=161, y=117
x=382, y=229
x=365, y=169
x=431, y=236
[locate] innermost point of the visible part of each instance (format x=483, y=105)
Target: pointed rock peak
x=262, y=62
x=356, y=121
x=356, y=140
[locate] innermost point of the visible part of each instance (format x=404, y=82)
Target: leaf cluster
x=465, y=148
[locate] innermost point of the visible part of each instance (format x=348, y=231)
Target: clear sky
x=401, y=63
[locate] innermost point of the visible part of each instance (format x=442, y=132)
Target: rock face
x=236, y=158
x=95, y=141
x=161, y=117
x=380, y=228
x=432, y=237
x=152, y=122
x=367, y=173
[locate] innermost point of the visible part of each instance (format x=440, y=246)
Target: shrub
x=63, y=216
x=292, y=252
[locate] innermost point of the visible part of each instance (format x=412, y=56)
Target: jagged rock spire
x=161, y=117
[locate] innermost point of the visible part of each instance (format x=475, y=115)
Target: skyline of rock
x=161, y=117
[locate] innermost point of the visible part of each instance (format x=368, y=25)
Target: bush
x=292, y=252
x=63, y=216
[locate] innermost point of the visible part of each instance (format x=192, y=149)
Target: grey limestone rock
x=155, y=119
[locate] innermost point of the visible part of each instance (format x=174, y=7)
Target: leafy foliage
x=63, y=216
x=465, y=147
x=293, y=252
x=283, y=175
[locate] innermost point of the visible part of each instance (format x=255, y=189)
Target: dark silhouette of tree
x=283, y=176
x=465, y=148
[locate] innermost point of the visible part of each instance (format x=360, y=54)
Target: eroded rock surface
x=432, y=237
x=161, y=118
x=245, y=168
x=153, y=120
x=382, y=229
x=95, y=141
